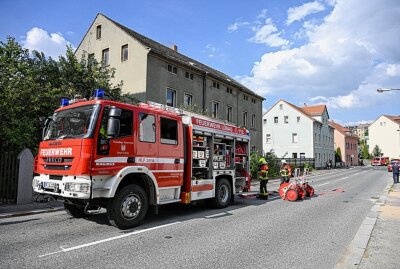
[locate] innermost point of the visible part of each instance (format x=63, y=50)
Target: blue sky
x=336, y=52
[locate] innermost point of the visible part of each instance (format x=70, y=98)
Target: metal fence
x=9, y=166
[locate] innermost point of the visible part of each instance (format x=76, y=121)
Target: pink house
x=347, y=142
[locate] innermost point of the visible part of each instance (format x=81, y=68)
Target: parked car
x=391, y=164
x=378, y=161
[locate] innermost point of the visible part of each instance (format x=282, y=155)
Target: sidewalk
x=376, y=244
x=7, y=211
x=383, y=246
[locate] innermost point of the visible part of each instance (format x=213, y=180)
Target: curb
x=30, y=212
x=354, y=253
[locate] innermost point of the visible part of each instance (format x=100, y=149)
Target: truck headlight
x=77, y=187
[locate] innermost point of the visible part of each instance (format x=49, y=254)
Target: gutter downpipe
x=204, y=91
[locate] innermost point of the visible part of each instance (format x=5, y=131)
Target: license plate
x=48, y=185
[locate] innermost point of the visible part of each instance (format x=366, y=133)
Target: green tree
x=338, y=155
x=81, y=77
x=27, y=90
x=31, y=86
x=364, y=149
x=376, y=152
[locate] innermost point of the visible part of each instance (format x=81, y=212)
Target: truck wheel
x=223, y=194
x=128, y=208
x=75, y=211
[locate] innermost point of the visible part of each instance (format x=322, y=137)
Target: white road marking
x=108, y=239
x=323, y=184
x=216, y=215
x=345, y=178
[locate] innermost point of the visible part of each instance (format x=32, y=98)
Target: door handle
x=177, y=161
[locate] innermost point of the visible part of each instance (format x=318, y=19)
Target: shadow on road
x=180, y=212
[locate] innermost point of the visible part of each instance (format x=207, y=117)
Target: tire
x=223, y=194
x=292, y=195
x=128, y=208
x=282, y=188
x=311, y=191
x=75, y=211
x=303, y=193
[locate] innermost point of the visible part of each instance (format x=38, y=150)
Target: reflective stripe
x=166, y=171
x=138, y=160
x=112, y=160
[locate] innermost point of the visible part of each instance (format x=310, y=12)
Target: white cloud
x=346, y=59
x=53, y=44
x=236, y=25
x=268, y=34
x=262, y=15
x=300, y=12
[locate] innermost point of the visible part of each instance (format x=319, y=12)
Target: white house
x=385, y=132
x=298, y=132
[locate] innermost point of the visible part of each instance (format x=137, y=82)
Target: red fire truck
x=126, y=158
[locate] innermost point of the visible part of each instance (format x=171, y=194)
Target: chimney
x=174, y=47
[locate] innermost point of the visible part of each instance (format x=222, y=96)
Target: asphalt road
x=252, y=233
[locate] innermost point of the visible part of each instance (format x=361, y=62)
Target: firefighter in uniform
x=285, y=172
x=263, y=177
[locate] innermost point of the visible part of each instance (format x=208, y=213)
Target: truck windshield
x=78, y=122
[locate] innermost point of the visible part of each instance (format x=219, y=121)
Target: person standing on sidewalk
x=263, y=177
x=395, y=169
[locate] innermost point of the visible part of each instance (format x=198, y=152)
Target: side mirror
x=113, y=127
x=115, y=112
x=46, y=126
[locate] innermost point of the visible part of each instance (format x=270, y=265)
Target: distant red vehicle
x=390, y=165
x=380, y=161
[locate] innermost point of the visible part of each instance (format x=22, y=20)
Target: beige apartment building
x=153, y=72
x=385, y=132
x=347, y=142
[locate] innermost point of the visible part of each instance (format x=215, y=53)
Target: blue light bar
x=64, y=102
x=99, y=93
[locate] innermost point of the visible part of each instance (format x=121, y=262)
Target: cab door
x=113, y=153
x=170, y=152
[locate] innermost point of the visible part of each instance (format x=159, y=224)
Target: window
x=295, y=139
x=265, y=121
x=105, y=57
x=147, y=128
x=172, y=69
x=187, y=100
x=124, y=52
x=229, y=90
x=126, y=123
x=98, y=32
x=302, y=155
x=253, y=121
x=245, y=97
x=298, y=119
x=245, y=119
x=91, y=59
x=275, y=119
x=253, y=100
x=229, y=113
x=294, y=155
x=286, y=119
x=268, y=140
x=171, y=97
x=280, y=106
x=169, y=131
x=215, y=108
x=215, y=85
x=189, y=75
